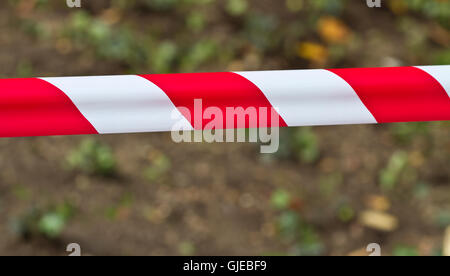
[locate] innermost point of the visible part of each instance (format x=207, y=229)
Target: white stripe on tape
x=311, y=97
x=440, y=73
x=115, y=104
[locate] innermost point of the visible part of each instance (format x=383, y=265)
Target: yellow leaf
x=333, y=30
x=398, y=6
x=378, y=220
x=312, y=51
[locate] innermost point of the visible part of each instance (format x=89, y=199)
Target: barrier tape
x=145, y=103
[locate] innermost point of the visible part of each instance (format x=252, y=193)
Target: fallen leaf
x=312, y=51
x=333, y=30
x=378, y=220
x=446, y=243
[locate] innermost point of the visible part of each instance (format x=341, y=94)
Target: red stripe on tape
x=398, y=94
x=221, y=90
x=33, y=107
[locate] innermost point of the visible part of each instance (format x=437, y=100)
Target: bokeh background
x=328, y=191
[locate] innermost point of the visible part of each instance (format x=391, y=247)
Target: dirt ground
x=221, y=199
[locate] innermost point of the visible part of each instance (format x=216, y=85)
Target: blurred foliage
x=119, y=44
x=24, y=69
x=404, y=133
x=402, y=250
x=21, y=192
x=346, y=213
x=186, y=248
x=93, y=157
x=121, y=209
x=299, y=143
x=300, y=235
x=436, y=9
x=49, y=222
x=442, y=218
x=329, y=184
x=159, y=165
x=305, y=240
x=237, y=7
x=303, y=32
x=390, y=175
x=280, y=199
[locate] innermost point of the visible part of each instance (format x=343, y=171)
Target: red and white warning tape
x=145, y=103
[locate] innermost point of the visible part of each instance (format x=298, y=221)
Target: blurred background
x=328, y=191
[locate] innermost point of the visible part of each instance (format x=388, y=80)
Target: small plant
x=200, y=52
x=280, y=199
x=52, y=224
x=237, y=7
x=196, y=21
x=94, y=158
x=390, y=175
x=121, y=209
x=404, y=133
x=307, y=145
x=48, y=222
x=292, y=228
x=301, y=144
x=346, y=213
x=164, y=56
x=160, y=165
